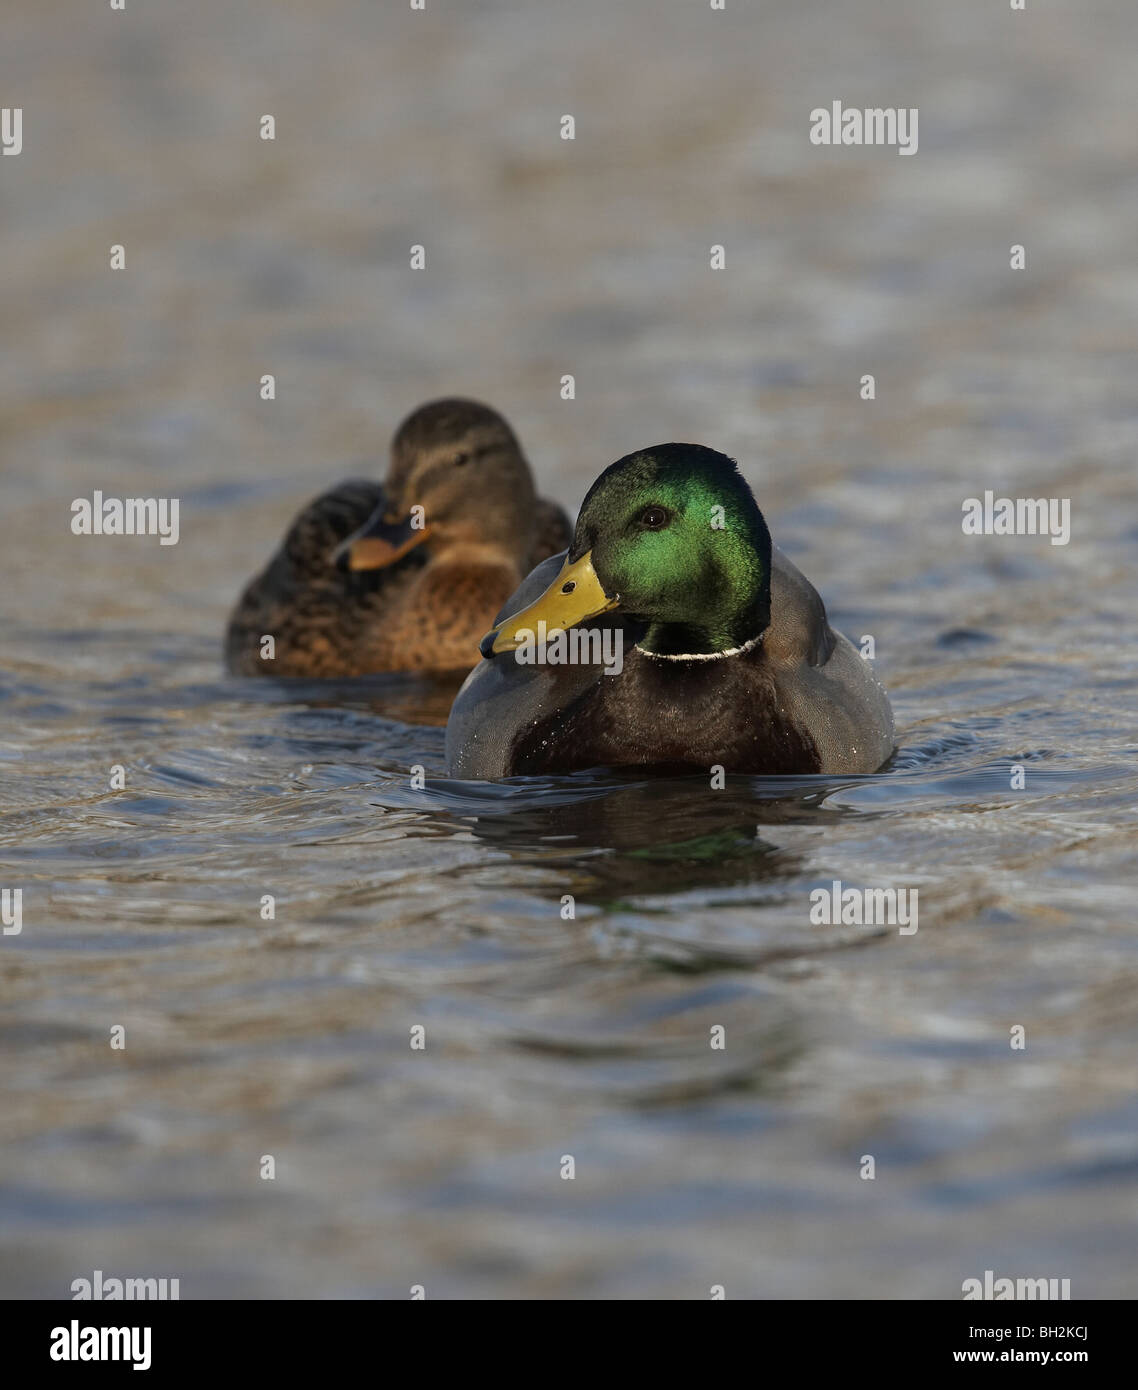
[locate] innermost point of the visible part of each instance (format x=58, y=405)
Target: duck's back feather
x=315, y=611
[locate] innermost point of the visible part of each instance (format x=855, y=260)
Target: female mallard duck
x=728, y=658
x=406, y=576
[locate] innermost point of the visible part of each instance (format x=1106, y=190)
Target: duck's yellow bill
x=574, y=596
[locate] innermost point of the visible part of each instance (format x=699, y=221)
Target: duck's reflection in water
x=653, y=835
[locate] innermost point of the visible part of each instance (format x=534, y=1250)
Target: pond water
x=399, y=906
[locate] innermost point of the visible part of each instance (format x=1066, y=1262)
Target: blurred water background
x=441, y=907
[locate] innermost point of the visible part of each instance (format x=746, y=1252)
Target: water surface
x=399, y=906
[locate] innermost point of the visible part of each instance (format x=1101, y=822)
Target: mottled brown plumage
x=481, y=529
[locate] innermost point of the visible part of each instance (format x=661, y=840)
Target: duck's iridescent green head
x=670, y=536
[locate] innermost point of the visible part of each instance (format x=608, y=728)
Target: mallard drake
x=407, y=575
x=727, y=657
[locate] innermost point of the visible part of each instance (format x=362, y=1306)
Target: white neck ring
x=701, y=656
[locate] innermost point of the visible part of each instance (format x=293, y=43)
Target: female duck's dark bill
x=574, y=596
x=379, y=543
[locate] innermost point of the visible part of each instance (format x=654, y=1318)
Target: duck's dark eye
x=654, y=518
x=569, y=587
